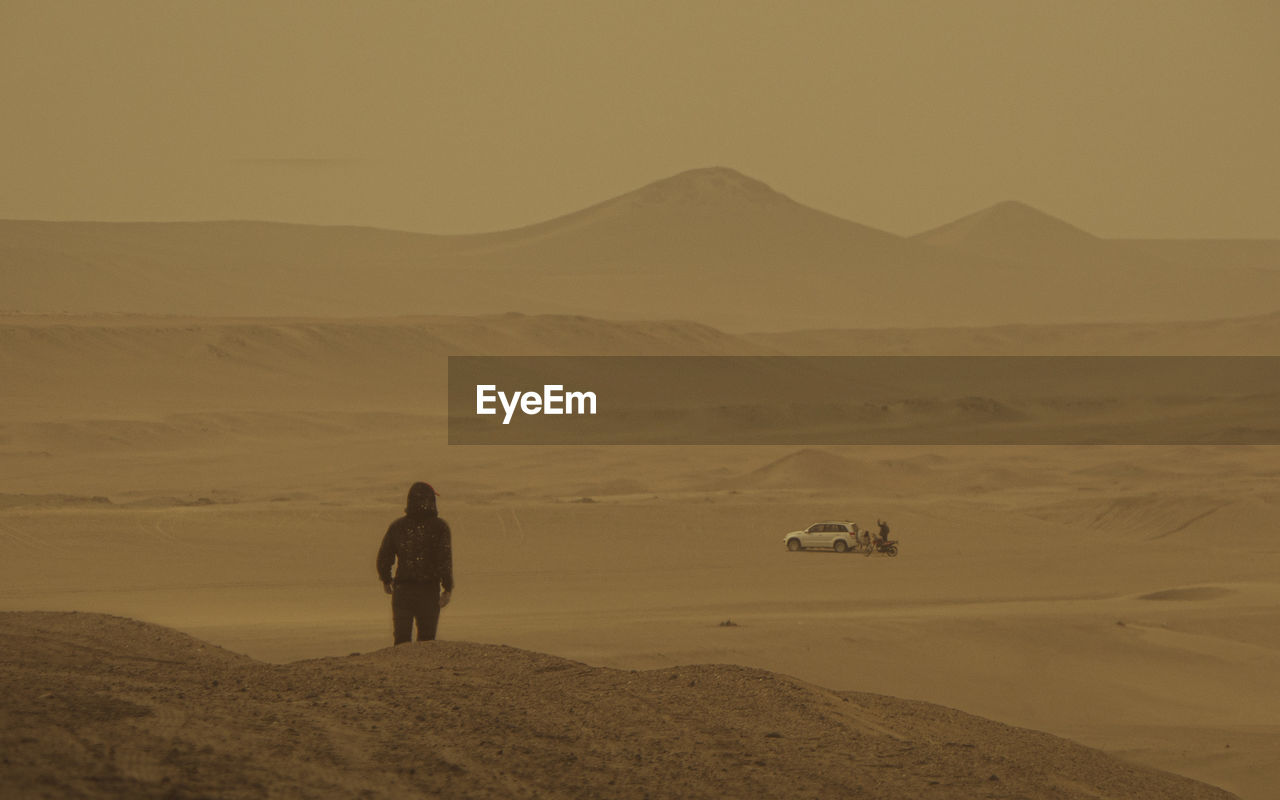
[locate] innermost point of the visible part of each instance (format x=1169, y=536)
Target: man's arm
x=444, y=556
x=386, y=556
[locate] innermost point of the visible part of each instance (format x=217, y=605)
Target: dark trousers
x=415, y=601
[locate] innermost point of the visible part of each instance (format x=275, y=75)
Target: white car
x=838, y=535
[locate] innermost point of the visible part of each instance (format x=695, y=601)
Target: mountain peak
x=1012, y=207
x=707, y=185
x=1018, y=212
x=1007, y=224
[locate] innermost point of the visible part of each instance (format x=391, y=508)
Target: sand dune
x=1190, y=593
x=50, y=501
x=1149, y=515
x=710, y=245
x=807, y=469
x=107, y=707
x=164, y=364
x=110, y=382
x=1254, y=335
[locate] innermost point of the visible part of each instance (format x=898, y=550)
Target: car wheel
x=794, y=544
x=840, y=546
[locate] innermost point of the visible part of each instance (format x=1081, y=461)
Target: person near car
x=884, y=531
x=420, y=546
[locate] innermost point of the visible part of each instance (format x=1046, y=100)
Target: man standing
x=420, y=544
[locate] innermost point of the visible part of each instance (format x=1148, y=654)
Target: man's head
x=422, y=499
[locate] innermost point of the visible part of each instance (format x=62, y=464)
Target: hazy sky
x=1126, y=118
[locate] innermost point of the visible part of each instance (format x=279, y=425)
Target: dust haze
x=227, y=308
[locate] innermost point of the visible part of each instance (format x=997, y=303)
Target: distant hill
x=88, y=364
x=1228, y=254
x=108, y=707
x=1254, y=335
x=716, y=221
x=1015, y=233
x=711, y=245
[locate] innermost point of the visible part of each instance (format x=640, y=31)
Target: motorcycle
x=887, y=546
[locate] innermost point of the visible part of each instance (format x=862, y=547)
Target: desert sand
x=231, y=479
x=147, y=712
x=243, y=243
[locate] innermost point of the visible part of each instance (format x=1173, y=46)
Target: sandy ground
x=99, y=706
x=1123, y=597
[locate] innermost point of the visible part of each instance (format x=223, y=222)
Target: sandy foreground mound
x=101, y=706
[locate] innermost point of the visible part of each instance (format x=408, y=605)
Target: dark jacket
x=420, y=544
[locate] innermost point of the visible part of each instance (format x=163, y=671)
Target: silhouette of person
x=884, y=530
x=420, y=545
